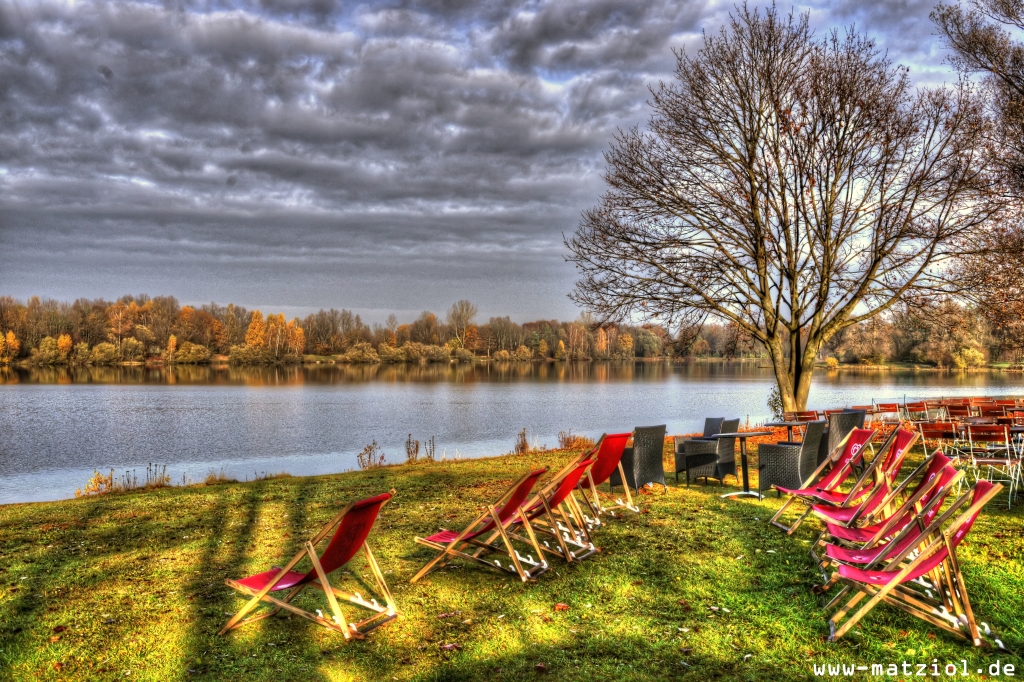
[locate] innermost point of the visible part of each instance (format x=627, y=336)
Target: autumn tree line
x=161, y=330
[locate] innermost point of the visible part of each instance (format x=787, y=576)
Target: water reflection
x=293, y=375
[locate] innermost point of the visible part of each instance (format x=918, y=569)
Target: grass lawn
x=130, y=586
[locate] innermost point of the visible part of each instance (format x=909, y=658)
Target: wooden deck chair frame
x=826, y=464
x=887, y=518
x=593, y=500
x=465, y=545
x=950, y=610
x=562, y=519
x=920, y=527
x=873, y=474
x=351, y=630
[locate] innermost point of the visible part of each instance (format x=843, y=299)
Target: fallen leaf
x=55, y=638
x=561, y=607
x=60, y=628
x=541, y=668
x=685, y=604
x=451, y=647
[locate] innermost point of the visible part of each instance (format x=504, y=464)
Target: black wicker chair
x=712, y=427
x=788, y=464
x=839, y=424
x=711, y=458
x=643, y=462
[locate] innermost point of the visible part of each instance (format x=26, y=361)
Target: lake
x=58, y=425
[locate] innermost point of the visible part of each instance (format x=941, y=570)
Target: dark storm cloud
x=292, y=154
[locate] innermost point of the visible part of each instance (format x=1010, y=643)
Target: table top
x=793, y=423
x=744, y=434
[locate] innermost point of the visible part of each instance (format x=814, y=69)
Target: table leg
x=789, y=430
x=746, y=477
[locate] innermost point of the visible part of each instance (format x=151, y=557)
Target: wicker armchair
x=788, y=464
x=839, y=424
x=711, y=458
x=643, y=462
x=713, y=427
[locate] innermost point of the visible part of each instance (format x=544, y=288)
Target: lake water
x=57, y=426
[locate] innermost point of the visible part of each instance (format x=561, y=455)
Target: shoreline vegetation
x=145, y=571
x=158, y=331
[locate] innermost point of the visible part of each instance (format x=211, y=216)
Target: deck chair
x=934, y=477
x=883, y=470
x=948, y=607
x=482, y=535
x=348, y=531
x=555, y=513
x=891, y=552
x=608, y=460
x=840, y=465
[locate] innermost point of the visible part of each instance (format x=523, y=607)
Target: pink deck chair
x=847, y=454
x=555, y=513
x=940, y=600
x=871, y=491
x=350, y=529
x=938, y=477
x=481, y=535
x=608, y=459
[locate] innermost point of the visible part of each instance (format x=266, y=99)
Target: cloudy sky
x=292, y=154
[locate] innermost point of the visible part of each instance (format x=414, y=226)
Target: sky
x=383, y=157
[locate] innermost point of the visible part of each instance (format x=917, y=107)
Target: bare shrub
x=522, y=446
x=567, y=440
x=412, y=450
x=371, y=457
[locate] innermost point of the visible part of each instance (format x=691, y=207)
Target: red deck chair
x=914, y=535
x=847, y=454
x=937, y=477
x=556, y=514
x=934, y=478
x=609, y=458
x=491, y=525
x=872, y=489
x=350, y=528
x=885, y=467
x=898, y=584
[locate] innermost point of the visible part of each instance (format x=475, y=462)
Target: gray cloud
x=397, y=155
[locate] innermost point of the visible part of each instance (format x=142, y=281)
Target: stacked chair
x=707, y=457
x=548, y=521
x=887, y=540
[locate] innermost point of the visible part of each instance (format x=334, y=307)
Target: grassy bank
x=130, y=586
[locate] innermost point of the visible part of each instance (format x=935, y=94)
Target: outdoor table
x=789, y=427
x=743, y=436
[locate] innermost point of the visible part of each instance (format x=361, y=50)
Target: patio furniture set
x=885, y=538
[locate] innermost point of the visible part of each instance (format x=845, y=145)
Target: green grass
x=130, y=586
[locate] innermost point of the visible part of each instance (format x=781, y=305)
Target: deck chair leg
x=381, y=583
x=566, y=552
x=339, y=617
x=254, y=602
x=625, y=486
x=774, y=520
x=508, y=543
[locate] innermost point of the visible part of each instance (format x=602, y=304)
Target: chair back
x=897, y=454
x=518, y=495
x=564, y=487
x=727, y=446
x=988, y=433
x=840, y=424
x=608, y=456
x=852, y=453
x=712, y=426
x=648, y=446
x=813, y=433
x=351, y=533
x=807, y=416
x=991, y=410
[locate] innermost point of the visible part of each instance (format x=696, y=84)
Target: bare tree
x=977, y=33
x=789, y=185
x=460, y=316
